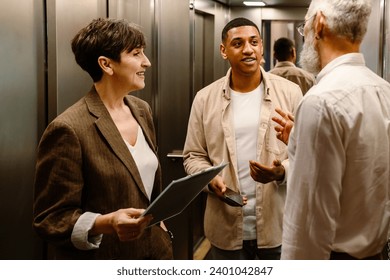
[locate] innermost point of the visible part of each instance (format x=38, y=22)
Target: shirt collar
x=226, y=85
x=354, y=59
x=284, y=64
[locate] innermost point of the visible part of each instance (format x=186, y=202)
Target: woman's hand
x=127, y=224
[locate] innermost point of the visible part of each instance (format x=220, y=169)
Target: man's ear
x=105, y=64
x=262, y=48
x=319, y=25
x=222, y=49
x=294, y=54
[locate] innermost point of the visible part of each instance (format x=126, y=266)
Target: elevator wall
x=21, y=104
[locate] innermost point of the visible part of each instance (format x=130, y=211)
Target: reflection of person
x=231, y=120
x=285, y=53
x=97, y=167
x=338, y=206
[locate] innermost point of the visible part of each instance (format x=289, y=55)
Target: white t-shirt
x=246, y=117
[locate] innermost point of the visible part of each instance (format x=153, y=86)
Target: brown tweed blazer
x=83, y=164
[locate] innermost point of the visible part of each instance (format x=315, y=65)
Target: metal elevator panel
x=67, y=82
x=21, y=89
x=142, y=13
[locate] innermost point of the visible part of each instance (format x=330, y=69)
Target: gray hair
x=345, y=18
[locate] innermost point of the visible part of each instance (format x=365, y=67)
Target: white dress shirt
x=339, y=182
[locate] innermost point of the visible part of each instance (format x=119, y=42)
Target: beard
x=309, y=58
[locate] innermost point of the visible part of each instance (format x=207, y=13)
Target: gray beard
x=309, y=58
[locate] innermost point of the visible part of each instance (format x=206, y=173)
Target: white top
x=246, y=116
x=338, y=186
x=145, y=159
x=147, y=164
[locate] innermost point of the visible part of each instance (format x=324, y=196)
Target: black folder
x=180, y=193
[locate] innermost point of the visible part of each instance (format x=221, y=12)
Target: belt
x=345, y=256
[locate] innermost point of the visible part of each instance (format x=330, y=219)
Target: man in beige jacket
x=231, y=120
x=285, y=53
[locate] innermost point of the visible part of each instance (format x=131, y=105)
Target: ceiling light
x=257, y=3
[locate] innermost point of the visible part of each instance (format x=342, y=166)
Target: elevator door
x=204, y=50
x=67, y=82
x=203, y=76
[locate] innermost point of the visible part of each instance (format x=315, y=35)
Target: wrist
x=103, y=225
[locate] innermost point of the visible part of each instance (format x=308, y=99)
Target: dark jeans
x=345, y=256
x=248, y=252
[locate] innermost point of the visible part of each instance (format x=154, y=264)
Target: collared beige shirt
x=211, y=140
x=289, y=71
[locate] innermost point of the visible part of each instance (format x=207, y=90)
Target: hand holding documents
x=180, y=193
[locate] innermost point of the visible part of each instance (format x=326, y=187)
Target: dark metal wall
x=66, y=81
x=21, y=87
x=373, y=40
x=178, y=70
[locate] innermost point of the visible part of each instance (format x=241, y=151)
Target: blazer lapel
x=110, y=132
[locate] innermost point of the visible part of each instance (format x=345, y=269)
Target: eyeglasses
x=301, y=26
